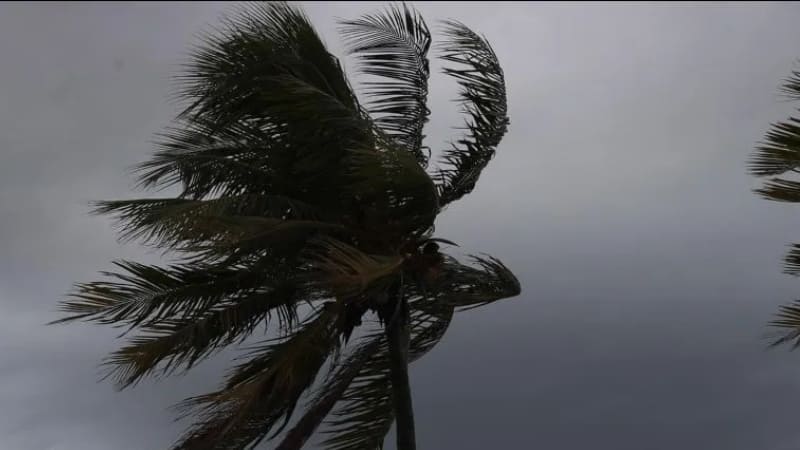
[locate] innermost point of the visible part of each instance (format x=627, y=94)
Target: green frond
x=365, y=414
x=268, y=72
x=396, y=196
x=214, y=227
x=260, y=395
x=483, y=99
x=780, y=190
x=792, y=261
x=347, y=271
x=787, y=325
x=780, y=151
x=143, y=293
x=331, y=392
x=393, y=45
x=791, y=86
x=178, y=343
x=173, y=221
x=463, y=286
x=267, y=62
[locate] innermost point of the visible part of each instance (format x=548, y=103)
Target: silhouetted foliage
x=292, y=194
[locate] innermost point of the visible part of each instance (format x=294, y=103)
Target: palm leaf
x=260, y=395
x=463, y=286
x=337, y=384
x=268, y=69
x=780, y=190
x=781, y=150
x=364, y=414
x=393, y=45
x=181, y=342
x=483, y=99
x=172, y=222
x=347, y=271
x=787, y=325
x=145, y=293
x=792, y=261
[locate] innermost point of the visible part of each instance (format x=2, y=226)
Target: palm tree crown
x=303, y=210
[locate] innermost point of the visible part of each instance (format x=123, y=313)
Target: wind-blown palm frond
x=792, y=261
x=268, y=71
x=345, y=270
x=483, y=98
x=337, y=384
x=364, y=415
x=177, y=223
x=265, y=390
x=150, y=293
x=463, y=286
x=780, y=190
x=788, y=324
x=780, y=152
x=181, y=342
x=394, y=46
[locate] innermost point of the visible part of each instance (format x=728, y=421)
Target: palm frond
x=393, y=45
x=780, y=190
x=260, y=395
x=327, y=397
x=792, y=261
x=143, y=293
x=178, y=343
x=267, y=62
x=462, y=286
x=787, y=324
x=365, y=414
x=347, y=271
x=483, y=99
x=780, y=152
x=268, y=72
x=172, y=222
x=791, y=86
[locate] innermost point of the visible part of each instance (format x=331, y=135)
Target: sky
x=619, y=197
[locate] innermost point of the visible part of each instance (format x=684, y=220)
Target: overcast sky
x=619, y=197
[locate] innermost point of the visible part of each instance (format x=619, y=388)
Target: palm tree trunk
x=398, y=335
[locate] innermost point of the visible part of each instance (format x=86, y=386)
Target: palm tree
x=778, y=157
x=303, y=211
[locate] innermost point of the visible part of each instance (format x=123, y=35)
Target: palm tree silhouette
x=303, y=211
x=778, y=157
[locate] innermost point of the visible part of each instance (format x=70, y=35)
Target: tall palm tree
x=303, y=211
x=778, y=157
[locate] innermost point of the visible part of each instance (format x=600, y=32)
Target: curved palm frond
x=337, y=384
x=394, y=46
x=260, y=395
x=364, y=414
x=268, y=84
x=483, y=98
x=467, y=287
x=347, y=271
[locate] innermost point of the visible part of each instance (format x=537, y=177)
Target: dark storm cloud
x=619, y=197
